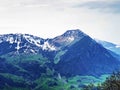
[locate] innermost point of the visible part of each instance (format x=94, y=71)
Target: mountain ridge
x=110, y=46
x=49, y=44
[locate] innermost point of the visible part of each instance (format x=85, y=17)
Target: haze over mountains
x=110, y=46
x=71, y=54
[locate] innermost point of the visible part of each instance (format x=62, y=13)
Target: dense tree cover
x=111, y=83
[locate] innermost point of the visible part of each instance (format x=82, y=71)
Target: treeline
x=111, y=83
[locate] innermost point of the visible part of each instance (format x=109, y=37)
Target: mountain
x=86, y=57
x=47, y=64
x=67, y=38
x=23, y=43
x=110, y=46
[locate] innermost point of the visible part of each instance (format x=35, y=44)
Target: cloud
x=102, y=6
x=38, y=16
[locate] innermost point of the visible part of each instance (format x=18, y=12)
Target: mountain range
x=33, y=63
x=110, y=46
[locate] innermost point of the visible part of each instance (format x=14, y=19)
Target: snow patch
x=47, y=46
x=32, y=40
x=117, y=46
x=32, y=51
x=18, y=45
x=10, y=39
x=71, y=39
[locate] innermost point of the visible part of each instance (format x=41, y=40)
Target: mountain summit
x=68, y=38
x=74, y=33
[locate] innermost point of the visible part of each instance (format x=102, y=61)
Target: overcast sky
x=48, y=18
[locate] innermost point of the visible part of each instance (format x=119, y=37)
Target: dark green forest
x=111, y=83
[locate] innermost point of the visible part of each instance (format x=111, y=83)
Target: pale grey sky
x=49, y=18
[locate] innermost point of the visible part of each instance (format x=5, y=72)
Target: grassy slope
x=47, y=81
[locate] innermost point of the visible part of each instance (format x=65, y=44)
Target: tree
x=111, y=83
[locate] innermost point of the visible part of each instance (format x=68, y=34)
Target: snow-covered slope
x=24, y=43
x=32, y=44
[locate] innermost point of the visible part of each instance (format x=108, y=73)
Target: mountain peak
x=68, y=38
x=75, y=33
